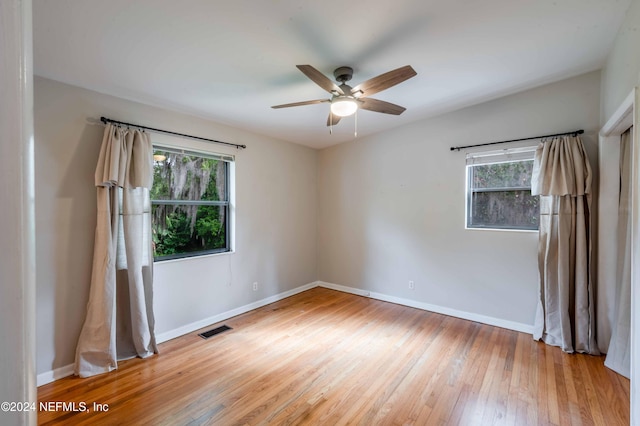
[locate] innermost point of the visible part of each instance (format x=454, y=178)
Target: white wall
x=275, y=219
x=392, y=206
x=622, y=68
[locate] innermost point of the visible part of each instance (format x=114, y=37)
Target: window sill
x=503, y=230
x=202, y=256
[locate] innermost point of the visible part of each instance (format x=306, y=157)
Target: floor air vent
x=214, y=331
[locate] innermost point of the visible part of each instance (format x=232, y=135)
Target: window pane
x=184, y=227
x=179, y=229
x=188, y=177
x=504, y=209
x=516, y=174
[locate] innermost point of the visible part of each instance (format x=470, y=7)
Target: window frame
x=229, y=161
x=509, y=155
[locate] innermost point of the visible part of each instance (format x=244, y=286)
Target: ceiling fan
x=346, y=100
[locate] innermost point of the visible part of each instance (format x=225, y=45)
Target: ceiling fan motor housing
x=343, y=74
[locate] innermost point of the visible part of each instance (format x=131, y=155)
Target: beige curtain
x=565, y=311
x=120, y=322
x=619, y=354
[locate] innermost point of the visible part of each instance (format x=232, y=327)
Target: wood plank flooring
x=324, y=357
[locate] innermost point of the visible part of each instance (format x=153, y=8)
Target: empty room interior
x=295, y=212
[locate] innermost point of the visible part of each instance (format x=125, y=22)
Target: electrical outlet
x=255, y=286
x=411, y=285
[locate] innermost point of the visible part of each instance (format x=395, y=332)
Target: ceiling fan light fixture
x=343, y=106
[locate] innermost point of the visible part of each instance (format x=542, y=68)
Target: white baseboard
x=53, y=375
x=188, y=328
x=497, y=322
x=67, y=370
x=344, y=289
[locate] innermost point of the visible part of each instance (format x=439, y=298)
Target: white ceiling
x=230, y=61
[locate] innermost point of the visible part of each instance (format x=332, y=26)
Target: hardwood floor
x=324, y=357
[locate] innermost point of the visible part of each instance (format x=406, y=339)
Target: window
x=190, y=206
x=499, y=190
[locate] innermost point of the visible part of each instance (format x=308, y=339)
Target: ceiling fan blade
x=320, y=79
x=333, y=119
x=377, y=105
x=384, y=81
x=294, y=104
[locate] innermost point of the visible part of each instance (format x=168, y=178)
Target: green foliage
x=209, y=229
x=174, y=237
x=181, y=228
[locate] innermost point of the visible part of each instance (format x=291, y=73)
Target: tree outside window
x=190, y=204
x=499, y=196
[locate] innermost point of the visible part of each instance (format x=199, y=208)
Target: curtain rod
x=109, y=120
x=574, y=133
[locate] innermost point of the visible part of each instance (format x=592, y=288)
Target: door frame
x=627, y=115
